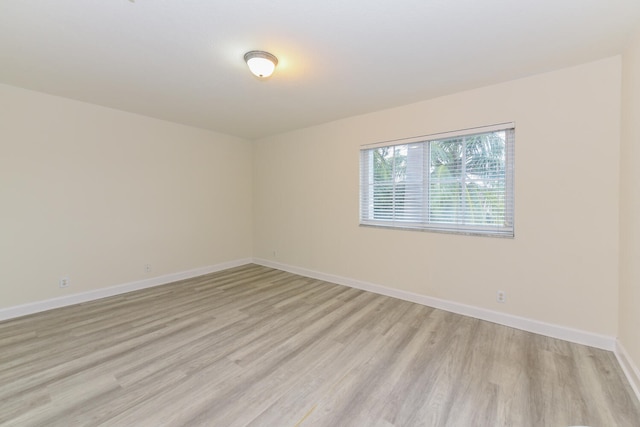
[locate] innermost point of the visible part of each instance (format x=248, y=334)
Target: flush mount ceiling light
x=261, y=63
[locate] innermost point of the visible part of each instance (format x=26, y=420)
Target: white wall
x=96, y=193
x=630, y=204
x=562, y=266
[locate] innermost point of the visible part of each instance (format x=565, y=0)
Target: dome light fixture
x=261, y=63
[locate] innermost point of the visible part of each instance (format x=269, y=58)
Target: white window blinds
x=459, y=182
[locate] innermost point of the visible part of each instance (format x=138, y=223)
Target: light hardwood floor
x=253, y=346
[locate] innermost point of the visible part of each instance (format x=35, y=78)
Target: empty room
x=289, y=213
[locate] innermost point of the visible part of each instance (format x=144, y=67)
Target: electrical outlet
x=147, y=268
x=64, y=282
x=501, y=296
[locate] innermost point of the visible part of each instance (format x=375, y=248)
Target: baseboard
x=36, y=307
x=555, y=331
x=628, y=367
x=522, y=323
x=525, y=324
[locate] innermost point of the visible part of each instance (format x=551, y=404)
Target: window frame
x=423, y=222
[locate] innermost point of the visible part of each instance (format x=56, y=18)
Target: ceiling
x=182, y=60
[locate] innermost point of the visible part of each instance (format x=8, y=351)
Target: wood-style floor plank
x=254, y=346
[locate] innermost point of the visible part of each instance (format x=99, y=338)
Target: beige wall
x=630, y=203
x=96, y=193
x=562, y=266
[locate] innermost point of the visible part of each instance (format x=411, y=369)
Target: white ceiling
x=182, y=60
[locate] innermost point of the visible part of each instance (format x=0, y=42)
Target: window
x=460, y=182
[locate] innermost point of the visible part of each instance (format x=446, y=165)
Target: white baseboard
x=522, y=323
x=629, y=368
x=525, y=324
x=36, y=307
x=555, y=331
